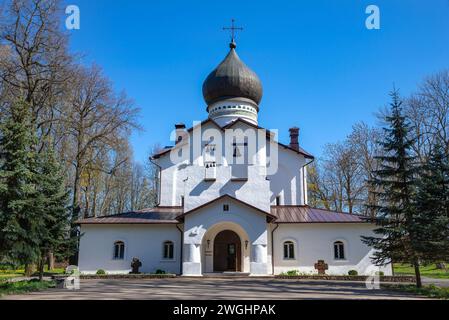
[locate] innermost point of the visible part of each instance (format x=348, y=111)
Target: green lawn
x=7, y=288
x=427, y=291
x=428, y=271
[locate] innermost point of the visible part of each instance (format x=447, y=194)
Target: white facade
x=226, y=183
x=313, y=242
x=142, y=241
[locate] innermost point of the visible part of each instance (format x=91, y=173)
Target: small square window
x=226, y=207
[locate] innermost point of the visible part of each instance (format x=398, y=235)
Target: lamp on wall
x=246, y=244
x=208, y=244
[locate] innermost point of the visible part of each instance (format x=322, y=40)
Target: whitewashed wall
x=203, y=224
x=314, y=242
x=144, y=242
x=186, y=178
x=288, y=181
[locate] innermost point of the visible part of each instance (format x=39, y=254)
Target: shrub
x=160, y=271
x=101, y=272
x=380, y=273
x=290, y=273
x=353, y=273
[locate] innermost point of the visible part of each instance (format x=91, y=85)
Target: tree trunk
x=41, y=267
x=73, y=259
x=417, y=274
x=29, y=269
x=51, y=261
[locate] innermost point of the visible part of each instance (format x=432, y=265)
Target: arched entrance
x=227, y=252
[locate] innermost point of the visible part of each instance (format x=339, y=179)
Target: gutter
x=181, y=250
x=272, y=248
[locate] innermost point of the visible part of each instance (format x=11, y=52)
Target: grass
x=20, y=287
x=430, y=291
x=9, y=273
x=430, y=271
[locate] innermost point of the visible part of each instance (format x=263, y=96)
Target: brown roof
x=279, y=214
x=306, y=214
x=157, y=215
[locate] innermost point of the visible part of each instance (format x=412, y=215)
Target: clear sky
x=321, y=69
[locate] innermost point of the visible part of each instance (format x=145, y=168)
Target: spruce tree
x=394, y=182
x=20, y=223
x=52, y=205
x=431, y=221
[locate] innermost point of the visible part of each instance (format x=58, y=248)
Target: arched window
x=289, y=250
x=169, y=250
x=119, y=250
x=339, y=250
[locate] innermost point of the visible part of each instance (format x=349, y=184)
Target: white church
x=231, y=199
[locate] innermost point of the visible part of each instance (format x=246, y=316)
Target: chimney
x=180, y=132
x=294, y=138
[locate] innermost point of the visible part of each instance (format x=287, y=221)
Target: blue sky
x=321, y=69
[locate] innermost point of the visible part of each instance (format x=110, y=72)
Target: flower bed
x=349, y=278
x=127, y=276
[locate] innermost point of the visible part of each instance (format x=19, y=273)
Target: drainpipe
x=182, y=247
x=272, y=248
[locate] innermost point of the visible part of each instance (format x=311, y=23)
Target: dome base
x=225, y=111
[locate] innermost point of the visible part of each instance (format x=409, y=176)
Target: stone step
x=227, y=275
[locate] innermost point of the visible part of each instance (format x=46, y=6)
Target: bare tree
x=35, y=61
x=97, y=121
x=319, y=192
x=428, y=110
x=363, y=140
x=339, y=181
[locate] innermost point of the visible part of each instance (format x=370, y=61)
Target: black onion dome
x=231, y=79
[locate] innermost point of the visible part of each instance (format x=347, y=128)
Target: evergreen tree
x=19, y=221
x=52, y=207
x=394, y=182
x=431, y=221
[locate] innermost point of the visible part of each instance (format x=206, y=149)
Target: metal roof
x=306, y=214
x=157, y=215
x=279, y=214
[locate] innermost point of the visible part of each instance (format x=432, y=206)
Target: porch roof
x=157, y=215
x=278, y=214
x=306, y=214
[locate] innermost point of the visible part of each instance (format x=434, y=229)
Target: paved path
x=213, y=289
x=435, y=281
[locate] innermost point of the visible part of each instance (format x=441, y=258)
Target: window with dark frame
x=226, y=207
x=339, y=250
x=169, y=250
x=289, y=250
x=119, y=250
x=278, y=200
